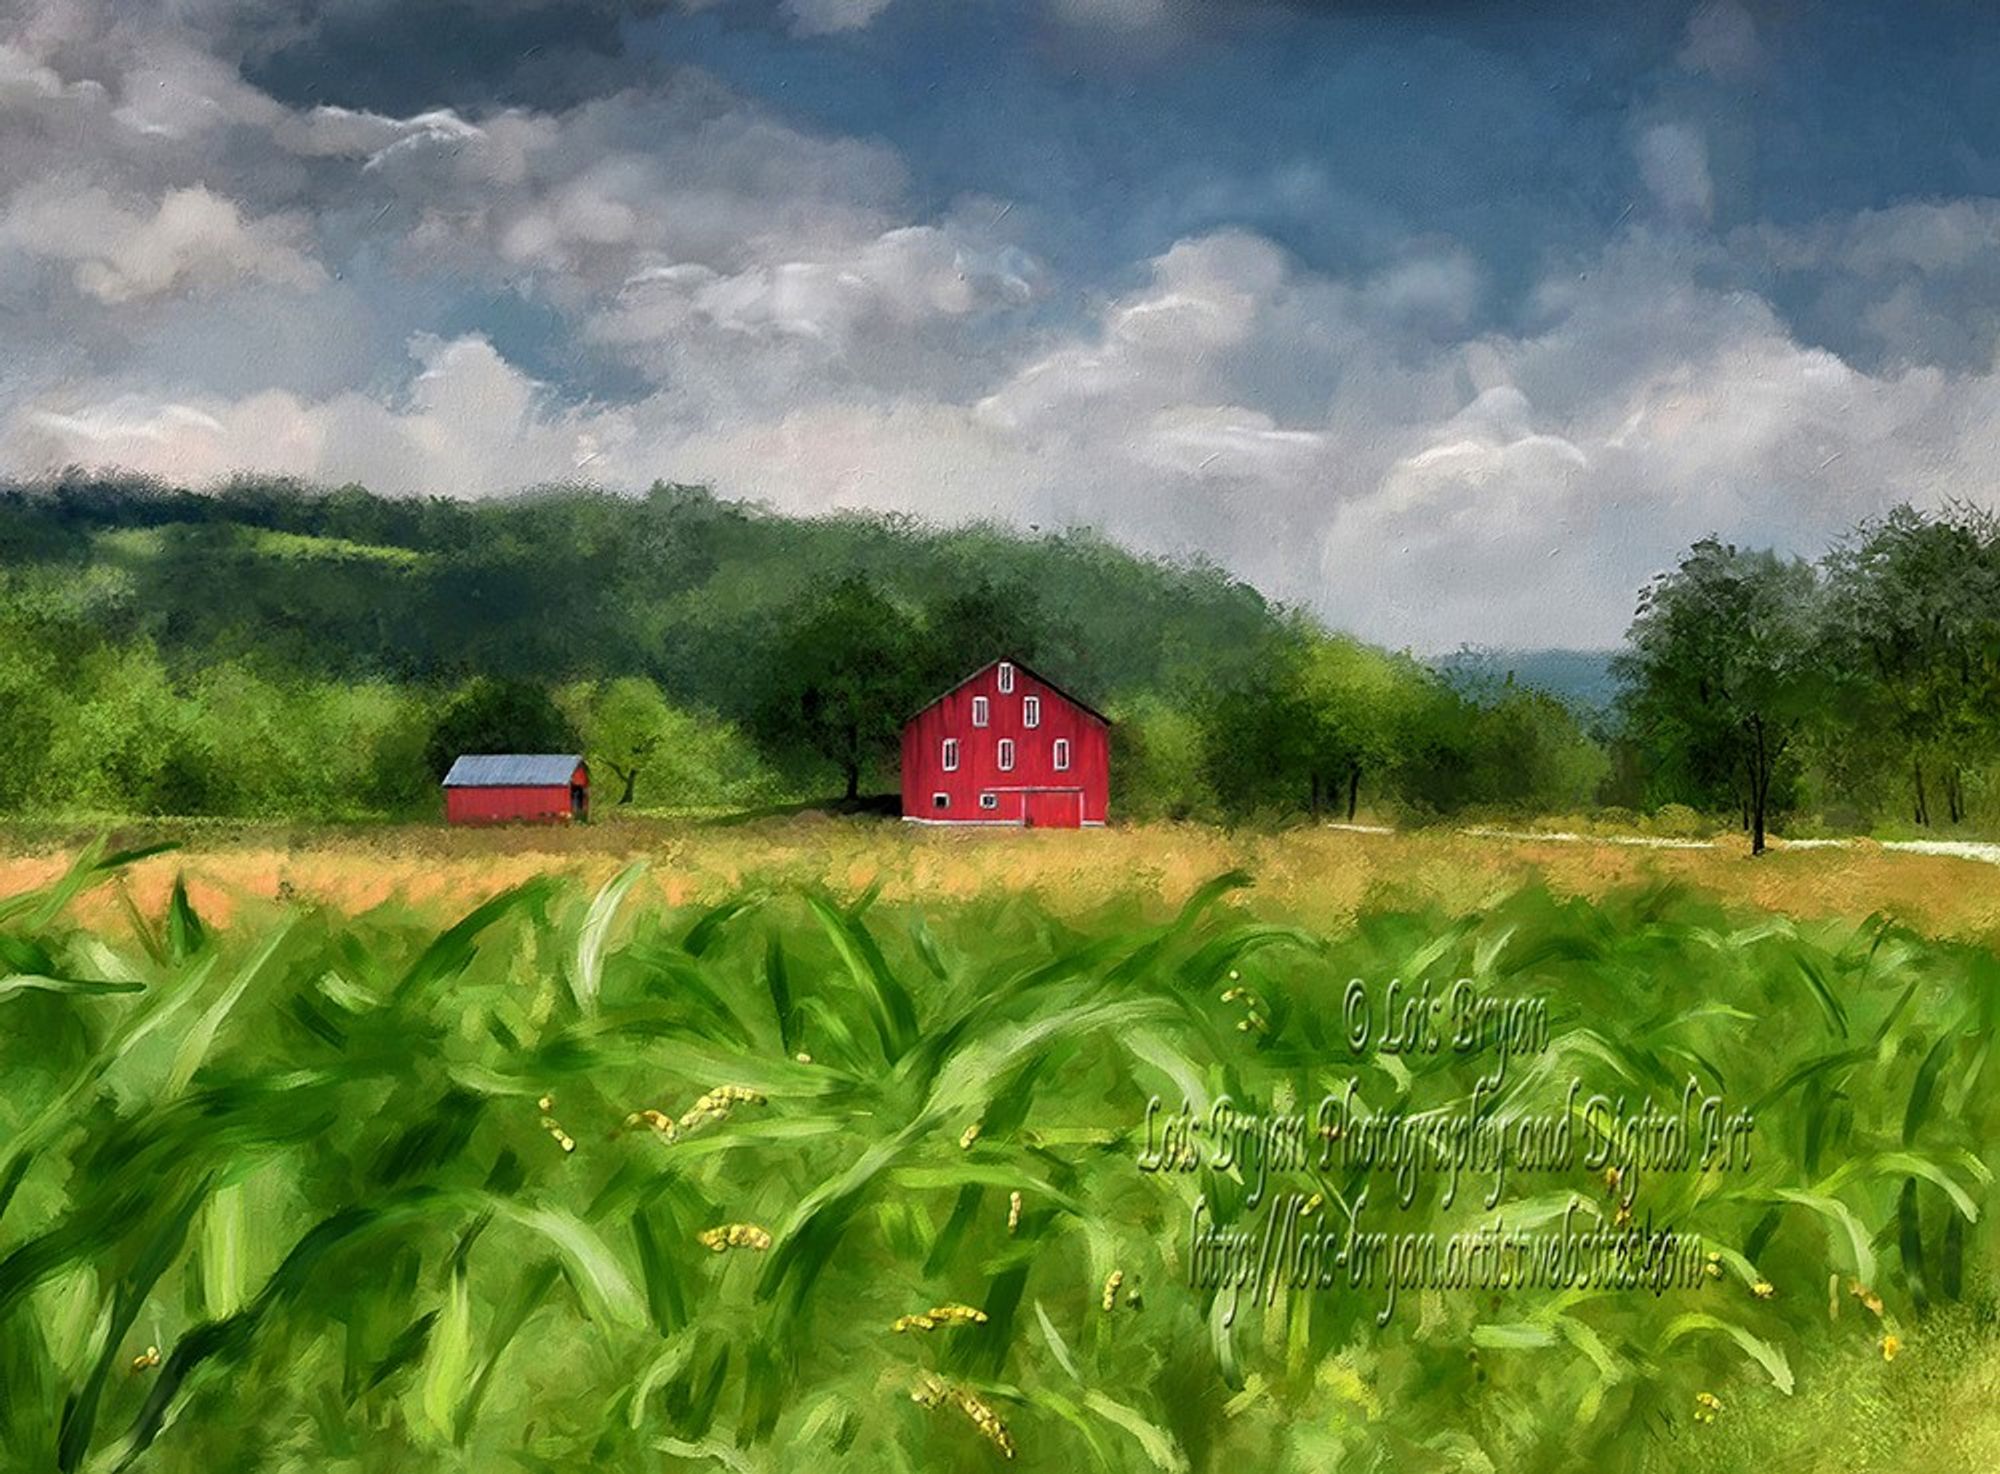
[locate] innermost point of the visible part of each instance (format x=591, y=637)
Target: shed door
x=1062, y=809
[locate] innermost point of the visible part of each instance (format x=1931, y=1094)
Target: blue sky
x=1452, y=321
x=1343, y=132
x=1336, y=134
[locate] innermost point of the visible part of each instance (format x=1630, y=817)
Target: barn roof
x=513, y=770
x=1076, y=701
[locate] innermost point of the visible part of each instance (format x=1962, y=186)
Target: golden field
x=1319, y=875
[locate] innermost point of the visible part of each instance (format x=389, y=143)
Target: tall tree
x=1302, y=725
x=1258, y=735
x=980, y=621
x=1357, y=703
x=625, y=725
x=684, y=755
x=1724, y=657
x=1914, y=635
x=493, y=715
x=842, y=676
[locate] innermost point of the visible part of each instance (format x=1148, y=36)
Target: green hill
x=574, y=583
x=271, y=649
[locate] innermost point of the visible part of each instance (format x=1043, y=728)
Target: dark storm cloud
x=404, y=56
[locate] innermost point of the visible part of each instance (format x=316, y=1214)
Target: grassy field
x=825, y=1144
x=1324, y=877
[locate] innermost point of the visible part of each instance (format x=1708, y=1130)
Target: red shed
x=538, y=787
x=1006, y=746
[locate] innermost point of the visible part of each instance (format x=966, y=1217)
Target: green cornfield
x=807, y=1181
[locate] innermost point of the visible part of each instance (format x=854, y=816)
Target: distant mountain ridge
x=1582, y=679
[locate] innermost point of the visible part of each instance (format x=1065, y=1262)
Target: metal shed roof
x=513, y=770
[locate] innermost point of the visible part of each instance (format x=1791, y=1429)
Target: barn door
x=1057, y=809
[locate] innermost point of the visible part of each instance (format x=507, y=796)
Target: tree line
x=286, y=651
x=1866, y=685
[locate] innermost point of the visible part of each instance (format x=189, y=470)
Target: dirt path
x=1956, y=849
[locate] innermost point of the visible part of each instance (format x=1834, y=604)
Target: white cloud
x=467, y=423
x=1673, y=162
x=1497, y=488
x=191, y=239
x=902, y=278
x=1921, y=235
x=1915, y=282
x=1644, y=413
x=1465, y=539
x=1504, y=489
x=26, y=83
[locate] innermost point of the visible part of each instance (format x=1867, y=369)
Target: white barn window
x=1062, y=754
x=950, y=754
x=940, y=800
x=989, y=800
x=1006, y=754
x=1006, y=677
x=1031, y=711
x=980, y=707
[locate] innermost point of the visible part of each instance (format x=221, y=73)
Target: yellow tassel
x=958, y=1315
x=933, y=1391
x=736, y=1236
x=940, y=1315
x=717, y=1104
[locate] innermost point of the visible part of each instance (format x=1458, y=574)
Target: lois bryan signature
x=1394, y=1018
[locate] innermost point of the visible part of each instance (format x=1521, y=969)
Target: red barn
x=494, y=788
x=1006, y=746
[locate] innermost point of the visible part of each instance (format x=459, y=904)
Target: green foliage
x=624, y=726
x=842, y=678
x=711, y=602
x=1913, y=641
x=384, y=1199
x=1159, y=761
x=1871, y=681
x=1724, y=674
x=686, y=758
x=495, y=715
x=978, y=623
x=1677, y=821
x=1860, y=693
x=97, y=728
x=1531, y=754
x=569, y=583
x=1304, y=723
x=1316, y=723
